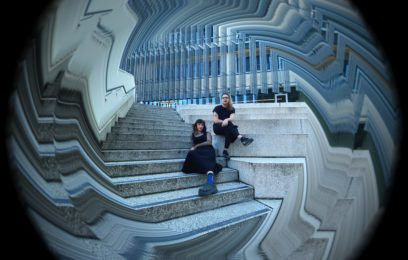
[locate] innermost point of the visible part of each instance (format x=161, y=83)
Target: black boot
x=226, y=155
x=208, y=188
x=246, y=141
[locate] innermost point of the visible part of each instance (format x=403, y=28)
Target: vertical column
x=176, y=68
x=136, y=77
x=146, y=75
x=274, y=65
x=286, y=83
x=150, y=73
x=189, y=66
x=223, y=65
x=143, y=82
x=192, y=58
x=263, y=63
x=214, y=61
x=206, y=61
x=160, y=69
x=253, y=65
x=206, y=64
x=200, y=61
x=182, y=71
x=128, y=66
x=280, y=74
x=241, y=64
x=157, y=71
x=147, y=71
x=140, y=75
x=197, y=72
x=171, y=69
x=165, y=72
x=132, y=63
x=154, y=70
x=232, y=53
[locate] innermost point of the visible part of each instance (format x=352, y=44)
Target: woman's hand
x=224, y=122
x=192, y=148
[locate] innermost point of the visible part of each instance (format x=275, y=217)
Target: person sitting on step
x=223, y=115
x=201, y=158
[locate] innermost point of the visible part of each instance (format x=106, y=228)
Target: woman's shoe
x=226, y=155
x=207, y=189
x=218, y=168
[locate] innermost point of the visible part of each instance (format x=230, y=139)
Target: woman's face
x=224, y=99
x=200, y=127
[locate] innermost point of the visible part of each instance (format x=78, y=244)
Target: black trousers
x=230, y=132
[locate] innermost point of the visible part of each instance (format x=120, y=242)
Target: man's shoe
x=246, y=141
x=226, y=155
x=207, y=189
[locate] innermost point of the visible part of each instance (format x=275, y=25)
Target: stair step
x=153, y=109
x=143, y=167
x=163, y=123
x=144, y=154
x=153, y=114
x=140, y=155
x=153, y=132
x=148, y=184
x=155, y=128
x=215, y=219
x=134, y=168
x=151, y=117
x=167, y=205
x=139, y=137
x=139, y=107
x=145, y=145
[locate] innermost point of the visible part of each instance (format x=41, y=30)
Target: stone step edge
x=162, y=176
x=124, y=163
x=143, y=150
x=143, y=142
x=140, y=162
x=159, y=134
x=221, y=224
x=194, y=190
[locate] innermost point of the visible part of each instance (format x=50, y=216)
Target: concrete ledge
x=279, y=130
x=270, y=177
x=288, y=145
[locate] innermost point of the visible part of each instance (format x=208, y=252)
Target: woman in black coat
x=201, y=157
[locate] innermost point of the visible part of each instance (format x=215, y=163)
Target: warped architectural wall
x=91, y=60
x=248, y=48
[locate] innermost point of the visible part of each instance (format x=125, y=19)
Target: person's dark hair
x=199, y=121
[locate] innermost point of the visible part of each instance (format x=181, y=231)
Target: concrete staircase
x=144, y=154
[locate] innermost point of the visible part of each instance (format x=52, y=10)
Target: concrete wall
x=277, y=128
x=84, y=40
